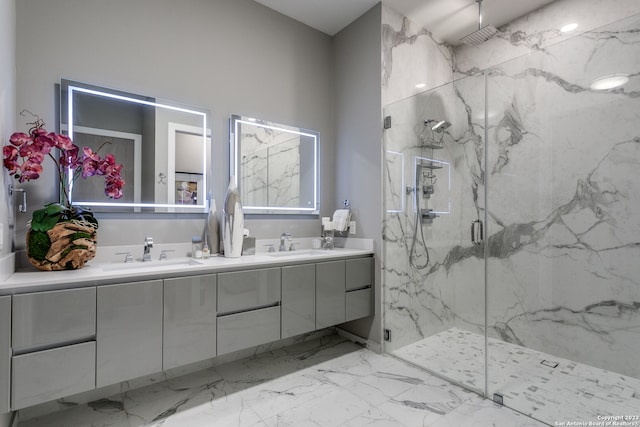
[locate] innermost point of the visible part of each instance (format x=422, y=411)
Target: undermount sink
x=151, y=265
x=303, y=252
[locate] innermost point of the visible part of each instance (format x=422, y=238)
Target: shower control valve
x=429, y=214
x=427, y=190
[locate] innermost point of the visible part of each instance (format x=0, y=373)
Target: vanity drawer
x=48, y=319
x=359, y=304
x=246, y=290
x=49, y=374
x=359, y=273
x=5, y=353
x=248, y=329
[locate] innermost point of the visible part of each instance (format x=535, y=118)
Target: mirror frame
x=69, y=87
x=235, y=146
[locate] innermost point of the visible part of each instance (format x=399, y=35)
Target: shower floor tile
x=325, y=382
x=569, y=392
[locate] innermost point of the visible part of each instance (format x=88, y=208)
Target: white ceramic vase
x=213, y=228
x=233, y=221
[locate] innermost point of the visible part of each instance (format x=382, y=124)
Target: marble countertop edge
x=109, y=268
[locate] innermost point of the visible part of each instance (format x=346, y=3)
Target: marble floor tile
x=326, y=382
x=480, y=412
x=569, y=392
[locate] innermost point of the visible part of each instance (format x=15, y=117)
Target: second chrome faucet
x=283, y=237
x=148, y=244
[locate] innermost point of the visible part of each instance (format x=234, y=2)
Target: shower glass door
x=563, y=277
x=434, y=271
x=544, y=315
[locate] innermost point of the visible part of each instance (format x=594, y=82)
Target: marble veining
x=411, y=55
x=324, y=382
x=539, y=30
x=569, y=391
x=555, y=183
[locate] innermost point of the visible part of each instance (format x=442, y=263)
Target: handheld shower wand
x=419, y=218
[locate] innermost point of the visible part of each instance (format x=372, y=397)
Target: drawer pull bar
x=229, y=313
x=35, y=349
x=359, y=289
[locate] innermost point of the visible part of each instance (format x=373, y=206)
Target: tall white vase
x=233, y=221
x=213, y=228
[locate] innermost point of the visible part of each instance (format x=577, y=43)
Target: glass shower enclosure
x=512, y=229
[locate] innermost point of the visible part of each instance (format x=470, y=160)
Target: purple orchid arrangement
x=24, y=155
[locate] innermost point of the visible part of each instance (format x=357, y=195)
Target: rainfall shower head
x=481, y=35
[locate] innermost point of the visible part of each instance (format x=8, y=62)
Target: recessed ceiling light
x=421, y=85
x=568, y=27
x=609, y=82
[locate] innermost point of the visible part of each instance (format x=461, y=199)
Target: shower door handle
x=477, y=232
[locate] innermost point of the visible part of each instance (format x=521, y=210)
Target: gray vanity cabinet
x=5, y=352
x=128, y=331
x=53, y=345
x=330, y=293
x=50, y=374
x=359, y=288
x=248, y=309
x=46, y=319
x=189, y=333
x=247, y=290
x=298, y=300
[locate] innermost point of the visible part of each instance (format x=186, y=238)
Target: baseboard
x=370, y=345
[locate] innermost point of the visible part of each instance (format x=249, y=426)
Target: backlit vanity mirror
x=164, y=148
x=276, y=166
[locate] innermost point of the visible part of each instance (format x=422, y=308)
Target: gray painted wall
x=227, y=56
x=358, y=118
x=7, y=107
x=232, y=57
x=7, y=125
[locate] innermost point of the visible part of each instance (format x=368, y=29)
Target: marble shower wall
x=562, y=172
x=420, y=302
x=411, y=55
x=540, y=29
x=564, y=200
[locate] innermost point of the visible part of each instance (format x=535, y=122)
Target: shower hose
x=412, y=252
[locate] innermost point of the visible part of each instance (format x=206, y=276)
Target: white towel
x=341, y=219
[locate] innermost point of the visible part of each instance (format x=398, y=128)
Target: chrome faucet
x=148, y=244
x=283, y=237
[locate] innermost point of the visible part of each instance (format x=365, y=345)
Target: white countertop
x=110, y=268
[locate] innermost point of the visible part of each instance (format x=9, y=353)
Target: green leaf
x=44, y=219
x=54, y=208
x=39, y=214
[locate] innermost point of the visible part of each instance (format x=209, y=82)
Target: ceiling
x=448, y=20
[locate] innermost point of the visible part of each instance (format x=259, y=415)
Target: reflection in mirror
x=276, y=166
x=164, y=148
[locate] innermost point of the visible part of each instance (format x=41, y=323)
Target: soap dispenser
x=196, y=247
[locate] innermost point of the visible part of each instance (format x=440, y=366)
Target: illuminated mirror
x=276, y=166
x=164, y=147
